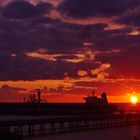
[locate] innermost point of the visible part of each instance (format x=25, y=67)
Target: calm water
x=125, y=133
x=108, y=134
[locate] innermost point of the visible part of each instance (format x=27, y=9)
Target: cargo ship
x=93, y=105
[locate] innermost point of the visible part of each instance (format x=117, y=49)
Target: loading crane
x=35, y=98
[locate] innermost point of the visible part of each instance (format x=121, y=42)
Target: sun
x=134, y=99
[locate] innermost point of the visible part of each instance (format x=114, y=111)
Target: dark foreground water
x=127, y=133
x=124, y=133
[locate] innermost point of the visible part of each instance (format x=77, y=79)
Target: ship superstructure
x=96, y=100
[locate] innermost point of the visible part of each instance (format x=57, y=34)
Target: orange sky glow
x=68, y=93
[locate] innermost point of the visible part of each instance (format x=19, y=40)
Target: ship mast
x=38, y=95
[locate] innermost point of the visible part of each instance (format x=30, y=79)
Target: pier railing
x=51, y=126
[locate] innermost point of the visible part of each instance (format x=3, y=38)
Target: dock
x=53, y=126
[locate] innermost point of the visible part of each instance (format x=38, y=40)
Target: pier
x=53, y=126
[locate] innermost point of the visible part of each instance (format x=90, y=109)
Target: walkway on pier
x=35, y=127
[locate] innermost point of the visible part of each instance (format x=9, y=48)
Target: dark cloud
x=15, y=36
x=21, y=67
x=124, y=64
x=24, y=9
x=8, y=93
x=131, y=18
x=54, y=36
x=45, y=32
x=45, y=20
x=94, y=8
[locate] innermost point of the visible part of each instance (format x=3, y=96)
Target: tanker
x=93, y=106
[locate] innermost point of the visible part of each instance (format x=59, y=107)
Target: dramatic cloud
x=24, y=9
x=93, y=8
x=79, y=45
x=131, y=18
x=21, y=67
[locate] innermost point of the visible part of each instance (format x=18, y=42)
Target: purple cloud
x=95, y=8
x=24, y=9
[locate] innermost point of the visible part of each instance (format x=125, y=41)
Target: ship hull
x=56, y=109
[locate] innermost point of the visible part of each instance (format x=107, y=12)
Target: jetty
x=59, y=125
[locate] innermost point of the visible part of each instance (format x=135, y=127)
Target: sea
x=123, y=133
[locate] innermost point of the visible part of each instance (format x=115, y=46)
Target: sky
x=69, y=48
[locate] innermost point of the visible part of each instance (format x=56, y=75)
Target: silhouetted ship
x=32, y=106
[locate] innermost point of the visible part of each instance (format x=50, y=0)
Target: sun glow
x=134, y=99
